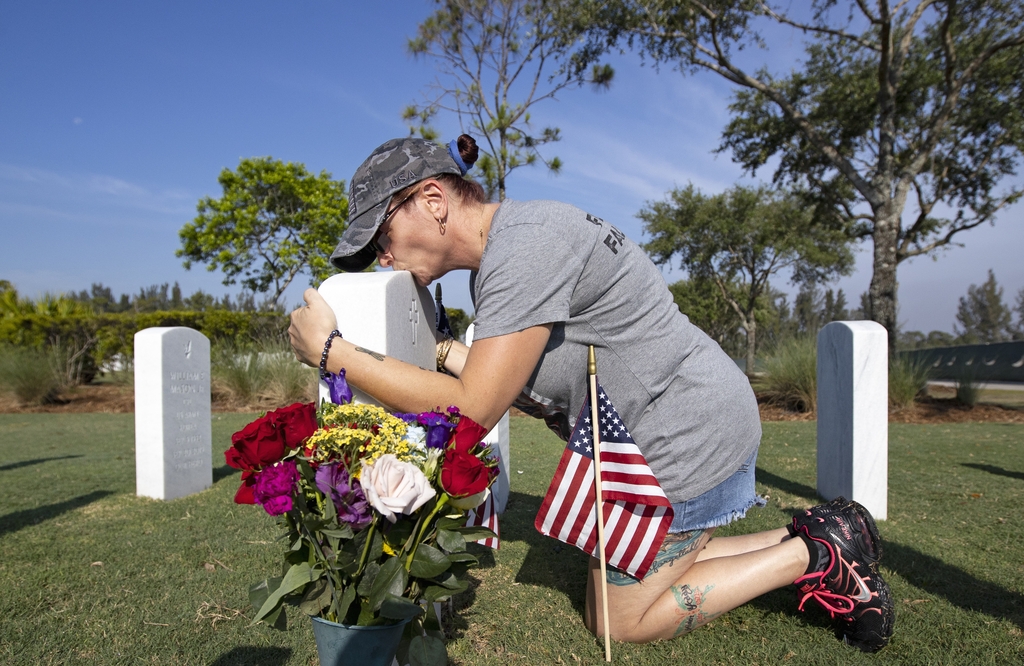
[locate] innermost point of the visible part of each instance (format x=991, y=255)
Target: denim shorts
x=726, y=502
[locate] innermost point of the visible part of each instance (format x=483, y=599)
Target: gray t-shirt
x=686, y=404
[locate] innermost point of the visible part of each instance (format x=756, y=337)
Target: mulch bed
x=108, y=398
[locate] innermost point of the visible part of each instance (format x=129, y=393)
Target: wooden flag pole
x=596, y=429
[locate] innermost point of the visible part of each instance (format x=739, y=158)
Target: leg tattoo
x=674, y=547
x=690, y=612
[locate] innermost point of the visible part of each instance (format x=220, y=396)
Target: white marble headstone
x=384, y=312
x=853, y=413
x=498, y=438
x=172, y=412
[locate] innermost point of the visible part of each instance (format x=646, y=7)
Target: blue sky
x=116, y=117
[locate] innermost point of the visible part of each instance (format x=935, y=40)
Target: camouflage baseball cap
x=392, y=167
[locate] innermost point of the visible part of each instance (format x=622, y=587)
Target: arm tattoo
x=376, y=355
x=673, y=547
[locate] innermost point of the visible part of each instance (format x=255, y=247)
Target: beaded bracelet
x=327, y=350
x=442, y=351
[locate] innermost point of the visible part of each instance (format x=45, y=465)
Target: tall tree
x=899, y=112
x=745, y=236
x=982, y=316
x=497, y=59
x=274, y=221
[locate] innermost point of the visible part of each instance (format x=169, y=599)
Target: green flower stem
x=426, y=523
x=366, y=547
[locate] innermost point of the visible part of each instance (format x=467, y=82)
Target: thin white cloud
x=97, y=188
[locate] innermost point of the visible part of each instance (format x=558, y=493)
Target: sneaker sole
x=876, y=641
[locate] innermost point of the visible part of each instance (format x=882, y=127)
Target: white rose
x=392, y=486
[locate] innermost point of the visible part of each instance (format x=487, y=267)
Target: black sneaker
x=852, y=520
x=857, y=598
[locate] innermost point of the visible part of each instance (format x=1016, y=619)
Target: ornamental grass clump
x=374, y=508
x=260, y=375
x=26, y=372
x=790, y=376
x=968, y=389
x=907, y=379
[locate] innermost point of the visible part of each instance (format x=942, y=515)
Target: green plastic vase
x=351, y=645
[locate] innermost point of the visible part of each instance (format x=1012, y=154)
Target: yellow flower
x=349, y=433
x=389, y=550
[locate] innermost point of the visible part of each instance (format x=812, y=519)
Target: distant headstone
x=172, y=412
x=853, y=413
x=498, y=438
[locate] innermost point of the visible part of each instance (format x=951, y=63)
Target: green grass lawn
x=92, y=574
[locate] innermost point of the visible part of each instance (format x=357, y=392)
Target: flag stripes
x=485, y=516
x=636, y=512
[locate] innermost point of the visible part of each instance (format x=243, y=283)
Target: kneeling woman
x=548, y=281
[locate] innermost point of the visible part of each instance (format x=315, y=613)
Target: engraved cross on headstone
x=414, y=318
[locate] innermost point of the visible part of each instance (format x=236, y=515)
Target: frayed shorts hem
x=727, y=502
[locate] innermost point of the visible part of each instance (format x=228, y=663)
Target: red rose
x=467, y=434
x=298, y=422
x=257, y=444
x=245, y=493
x=265, y=441
x=463, y=474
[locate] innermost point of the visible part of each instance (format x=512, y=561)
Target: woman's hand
x=310, y=328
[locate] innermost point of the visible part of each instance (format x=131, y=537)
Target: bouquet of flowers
x=374, y=507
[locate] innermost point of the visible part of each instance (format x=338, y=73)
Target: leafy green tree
x=744, y=235
x=497, y=59
x=897, y=113
x=981, y=315
x=274, y=221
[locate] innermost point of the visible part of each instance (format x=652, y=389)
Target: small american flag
x=485, y=516
x=637, y=514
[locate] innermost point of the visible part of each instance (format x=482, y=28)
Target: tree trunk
x=882, y=293
x=751, y=329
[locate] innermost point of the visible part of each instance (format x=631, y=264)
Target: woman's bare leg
x=684, y=593
x=744, y=543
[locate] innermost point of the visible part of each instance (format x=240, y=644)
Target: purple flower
x=437, y=425
x=341, y=394
x=276, y=506
x=439, y=428
x=274, y=487
x=333, y=480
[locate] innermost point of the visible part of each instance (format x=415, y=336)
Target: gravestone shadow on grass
x=250, y=655
x=36, y=461
x=992, y=469
x=955, y=585
x=13, y=522
x=548, y=562
x=223, y=472
x=785, y=485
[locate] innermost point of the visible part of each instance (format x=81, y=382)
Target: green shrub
x=967, y=388
x=790, y=375
x=112, y=335
x=260, y=375
x=907, y=379
x=27, y=373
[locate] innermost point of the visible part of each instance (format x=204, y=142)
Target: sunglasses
x=381, y=242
